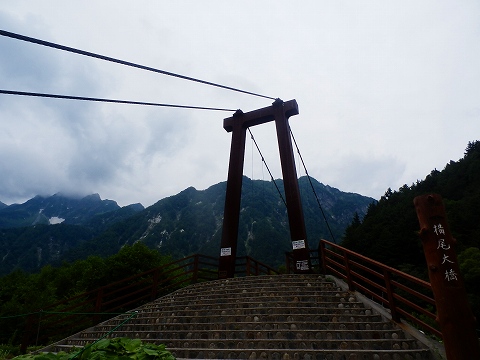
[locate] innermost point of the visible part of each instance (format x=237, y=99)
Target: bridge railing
x=71, y=315
x=248, y=266
x=404, y=295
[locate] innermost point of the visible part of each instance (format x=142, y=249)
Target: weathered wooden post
x=155, y=279
x=454, y=313
x=196, y=268
x=98, y=305
x=298, y=232
x=231, y=213
x=28, y=333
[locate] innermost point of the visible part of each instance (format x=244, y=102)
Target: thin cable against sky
x=266, y=165
x=313, y=189
x=69, y=97
x=122, y=62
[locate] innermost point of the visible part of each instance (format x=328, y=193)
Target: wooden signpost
x=454, y=314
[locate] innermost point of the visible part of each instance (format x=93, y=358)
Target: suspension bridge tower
x=238, y=124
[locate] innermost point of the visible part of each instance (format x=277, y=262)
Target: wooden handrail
x=388, y=286
x=59, y=319
x=253, y=267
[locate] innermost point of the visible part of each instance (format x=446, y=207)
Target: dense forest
x=389, y=231
x=24, y=293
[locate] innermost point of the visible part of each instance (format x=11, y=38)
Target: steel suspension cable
x=311, y=185
x=123, y=62
x=263, y=160
x=69, y=97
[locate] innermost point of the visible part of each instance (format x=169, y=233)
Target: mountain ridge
x=57, y=208
x=181, y=224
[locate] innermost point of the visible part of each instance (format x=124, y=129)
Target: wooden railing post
x=454, y=314
x=351, y=287
x=247, y=266
x=390, y=297
x=196, y=264
x=156, y=275
x=323, y=257
x=98, y=305
x=28, y=333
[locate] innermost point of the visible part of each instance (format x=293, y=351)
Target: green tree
x=389, y=231
x=23, y=293
x=469, y=261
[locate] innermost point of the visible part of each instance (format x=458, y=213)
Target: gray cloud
x=387, y=92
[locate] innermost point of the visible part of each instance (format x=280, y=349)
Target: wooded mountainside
x=389, y=231
x=24, y=293
x=180, y=225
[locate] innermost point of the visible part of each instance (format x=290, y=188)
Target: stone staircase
x=262, y=317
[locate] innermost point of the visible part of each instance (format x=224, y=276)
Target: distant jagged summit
x=58, y=208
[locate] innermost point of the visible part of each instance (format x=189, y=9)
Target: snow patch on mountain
x=55, y=220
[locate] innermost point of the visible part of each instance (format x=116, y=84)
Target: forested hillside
x=23, y=293
x=180, y=225
x=191, y=222
x=389, y=231
x=41, y=230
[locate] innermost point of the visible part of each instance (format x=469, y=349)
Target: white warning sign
x=302, y=265
x=226, y=251
x=298, y=244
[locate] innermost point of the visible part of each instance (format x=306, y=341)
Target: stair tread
x=273, y=315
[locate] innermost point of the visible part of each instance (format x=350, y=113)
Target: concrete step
x=275, y=292
x=250, y=326
x=252, y=300
x=304, y=354
x=293, y=354
x=292, y=319
x=266, y=317
x=260, y=310
x=286, y=334
x=281, y=343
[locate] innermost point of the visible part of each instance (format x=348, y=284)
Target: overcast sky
x=387, y=91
